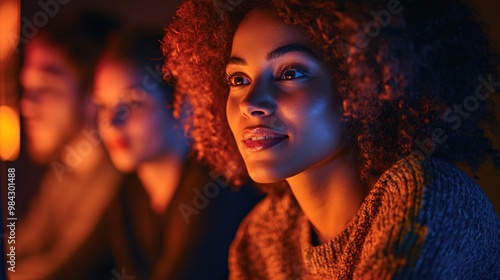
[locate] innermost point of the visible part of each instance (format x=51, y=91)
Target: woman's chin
x=124, y=166
x=265, y=175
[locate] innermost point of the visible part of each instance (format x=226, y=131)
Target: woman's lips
x=260, y=138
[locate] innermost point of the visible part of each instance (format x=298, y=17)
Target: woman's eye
x=238, y=80
x=290, y=74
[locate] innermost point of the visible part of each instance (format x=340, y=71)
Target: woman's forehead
x=262, y=31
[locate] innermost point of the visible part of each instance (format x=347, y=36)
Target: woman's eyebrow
x=280, y=51
x=290, y=48
x=236, y=61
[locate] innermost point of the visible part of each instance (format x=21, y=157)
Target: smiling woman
x=342, y=124
x=282, y=79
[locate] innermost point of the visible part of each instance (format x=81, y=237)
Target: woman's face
x=134, y=123
x=281, y=107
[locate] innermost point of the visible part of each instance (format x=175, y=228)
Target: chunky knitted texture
x=422, y=220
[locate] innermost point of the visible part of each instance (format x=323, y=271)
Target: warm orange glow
x=9, y=28
x=10, y=133
x=9, y=117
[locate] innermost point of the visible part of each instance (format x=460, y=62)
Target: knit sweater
x=421, y=220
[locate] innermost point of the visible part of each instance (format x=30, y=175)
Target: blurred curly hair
x=398, y=83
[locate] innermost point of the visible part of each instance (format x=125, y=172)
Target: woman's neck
x=330, y=193
x=161, y=176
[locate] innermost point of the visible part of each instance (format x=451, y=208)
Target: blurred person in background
x=181, y=223
x=61, y=235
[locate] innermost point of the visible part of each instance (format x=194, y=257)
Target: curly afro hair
x=412, y=75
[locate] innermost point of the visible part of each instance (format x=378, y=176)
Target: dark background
x=149, y=13
x=155, y=15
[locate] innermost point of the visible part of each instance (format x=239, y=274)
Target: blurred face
x=134, y=123
x=50, y=103
x=281, y=107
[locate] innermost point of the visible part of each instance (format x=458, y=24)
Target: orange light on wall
x=9, y=112
x=9, y=129
x=9, y=28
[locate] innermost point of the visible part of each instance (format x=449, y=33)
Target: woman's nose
x=259, y=101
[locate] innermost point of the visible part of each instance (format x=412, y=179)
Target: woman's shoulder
x=435, y=184
x=463, y=227
x=455, y=204
x=437, y=192
x=451, y=191
x=452, y=223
